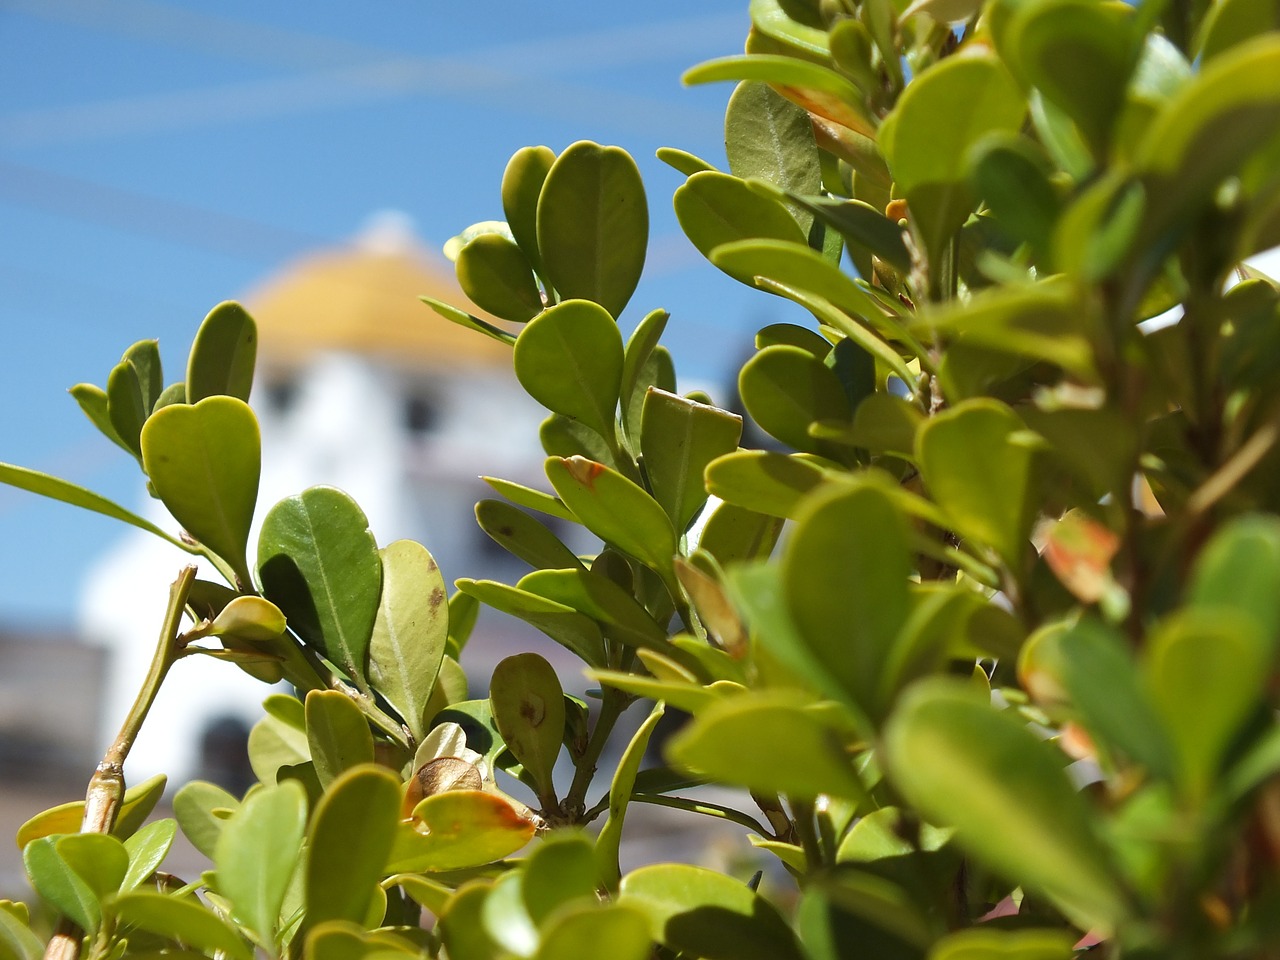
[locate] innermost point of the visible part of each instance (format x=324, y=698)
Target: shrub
x=989, y=636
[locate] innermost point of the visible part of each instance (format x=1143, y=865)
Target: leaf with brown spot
x=528, y=707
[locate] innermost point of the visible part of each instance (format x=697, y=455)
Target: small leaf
x=196, y=807
x=464, y=319
x=55, y=881
x=707, y=914
x=593, y=225
x=337, y=733
x=637, y=361
x=861, y=225
x=682, y=161
x=563, y=624
x=350, y=838
x=785, y=389
x=580, y=931
x=1239, y=570
x=523, y=536
x=678, y=439
x=410, y=631
x=528, y=706
x=815, y=88
x=93, y=402
x=531, y=499
x=569, y=359
x=461, y=930
x=770, y=483
x=521, y=186
x=223, y=355
x=456, y=830
x=979, y=944
x=249, y=618
x=203, y=461
x=963, y=764
x=559, y=871
x=497, y=277
x=320, y=564
x=849, y=599
x=186, y=921
x=595, y=595
x=715, y=208
x=255, y=856
x=132, y=388
x=138, y=802
x=609, y=840
x=146, y=850
x=17, y=942
x=769, y=744
x=99, y=859
x=980, y=475
x=615, y=510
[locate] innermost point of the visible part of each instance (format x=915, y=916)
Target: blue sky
x=159, y=157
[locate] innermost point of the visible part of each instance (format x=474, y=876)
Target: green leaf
x=797, y=266
x=563, y=624
x=637, y=362
x=1045, y=321
x=497, y=277
x=99, y=859
x=531, y=499
x=593, y=225
x=1011, y=175
x=929, y=158
x=560, y=871
x=521, y=186
x=707, y=914
x=615, y=510
x=410, y=631
x=147, y=849
x=678, y=439
x=580, y=931
x=197, y=806
x=256, y=854
x=775, y=19
x=980, y=472
x=760, y=480
x=736, y=533
x=1238, y=570
x=1206, y=670
x=464, y=319
x=609, y=840
x=132, y=388
x=785, y=389
x=223, y=355
x=461, y=929
x=55, y=881
x=351, y=836
x=846, y=570
x=337, y=733
x=203, y=461
x=570, y=360
x=715, y=208
x=682, y=161
x=979, y=944
x=963, y=764
x=1207, y=130
x=93, y=403
x=767, y=743
x=55, y=489
x=883, y=423
x=186, y=921
x=138, y=802
x=1232, y=22
x=1102, y=681
x=811, y=86
x=17, y=942
x=319, y=563
x=456, y=830
x=1079, y=55
x=523, y=536
x=505, y=918
x=861, y=225
x=601, y=599
x=528, y=707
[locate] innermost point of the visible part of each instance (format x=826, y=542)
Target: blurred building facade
x=360, y=386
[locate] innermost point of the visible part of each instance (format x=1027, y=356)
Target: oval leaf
x=223, y=355
x=528, y=707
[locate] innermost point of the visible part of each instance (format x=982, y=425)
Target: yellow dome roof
x=364, y=299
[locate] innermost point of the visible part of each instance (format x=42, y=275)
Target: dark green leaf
x=623, y=784
x=186, y=921
x=785, y=389
x=523, y=536
x=678, y=439
x=593, y=225
x=320, y=564
x=223, y=355
x=55, y=880
x=563, y=624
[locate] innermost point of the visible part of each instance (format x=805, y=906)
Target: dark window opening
x=421, y=414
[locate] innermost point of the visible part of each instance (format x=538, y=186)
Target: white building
x=361, y=386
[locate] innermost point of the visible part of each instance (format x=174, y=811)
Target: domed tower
x=359, y=385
